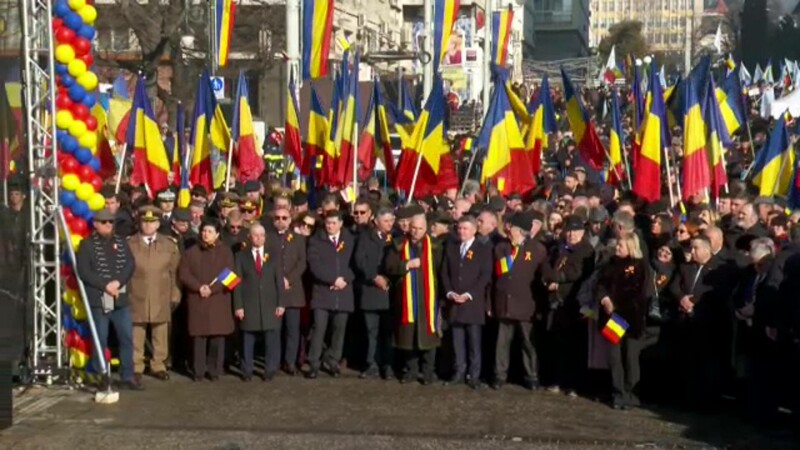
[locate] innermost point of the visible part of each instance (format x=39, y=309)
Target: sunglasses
x=359, y=213
x=281, y=218
x=104, y=222
x=308, y=225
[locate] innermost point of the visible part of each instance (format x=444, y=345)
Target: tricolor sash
x=506, y=263
x=410, y=293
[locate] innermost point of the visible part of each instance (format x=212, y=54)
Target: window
x=118, y=40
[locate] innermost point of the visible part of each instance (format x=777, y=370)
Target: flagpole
x=669, y=183
x=414, y=180
x=627, y=169
x=228, y=167
x=354, y=152
x=121, y=167
x=469, y=170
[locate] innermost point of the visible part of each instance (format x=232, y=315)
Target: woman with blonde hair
x=624, y=288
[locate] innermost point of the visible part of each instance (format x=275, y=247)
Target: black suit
x=293, y=253
x=469, y=274
x=328, y=262
x=368, y=263
x=259, y=294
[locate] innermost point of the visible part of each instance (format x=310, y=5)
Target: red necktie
x=259, y=263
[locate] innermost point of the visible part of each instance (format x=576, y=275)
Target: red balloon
x=82, y=46
x=57, y=24
x=91, y=123
x=72, y=282
x=85, y=173
x=58, y=81
x=80, y=111
x=66, y=270
x=63, y=101
x=69, y=165
x=88, y=59
x=65, y=35
x=97, y=183
x=68, y=214
x=78, y=225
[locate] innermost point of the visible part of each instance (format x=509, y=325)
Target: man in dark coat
x=517, y=262
x=570, y=265
x=258, y=301
x=372, y=291
x=415, y=261
x=329, y=256
x=123, y=225
x=467, y=271
x=293, y=255
x=181, y=231
x=105, y=265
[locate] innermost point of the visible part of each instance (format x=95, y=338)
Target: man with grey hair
x=472, y=191
x=372, y=292
x=747, y=226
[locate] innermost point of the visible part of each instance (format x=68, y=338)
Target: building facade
x=559, y=29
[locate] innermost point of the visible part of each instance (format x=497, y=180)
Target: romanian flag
x=647, y=182
x=249, y=157
x=696, y=176
x=616, y=170
x=328, y=173
x=416, y=280
x=405, y=115
x=228, y=279
x=292, y=143
x=225, y=14
x=718, y=139
x=318, y=133
x=582, y=127
x=543, y=123
x=445, y=13
x=375, y=140
x=150, y=162
x=501, y=36
x=317, y=32
x=615, y=329
x=347, y=126
x=200, y=172
x=178, y=150
x=774, y=164
x=506, y=263
x=184, y=195
x=731, y=104
x=638, y=104
x=108, y=165
x=119, y=106
x=506, y=162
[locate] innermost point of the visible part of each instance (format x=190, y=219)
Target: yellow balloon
x=96, y=202
x=88, y=80
x=88, y=14
x=84, y=191
x=77, y=128
x=65, y=53
x=77, y=359
x=76, y=243
x=69, y=297
x=88, y=140
x=76, y=67
x=77, y=5
x=64, y=119
x=79, y=311
x=70, y=182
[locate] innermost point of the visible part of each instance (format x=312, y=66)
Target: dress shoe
x=162, y=375
x=456, y=380
x=213, y=377
x=531, y=385
x=313, y=374
x=247, y=378
x=475, y=385
x=197, y=378
x=497, y=385
x=332, y=369
x=268, y=376
x=387, y=373
x=571, y=393
x=290, y=370
x=131, y=385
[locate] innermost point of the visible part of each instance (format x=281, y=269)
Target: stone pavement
x=349, y=413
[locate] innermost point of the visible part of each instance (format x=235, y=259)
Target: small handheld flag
x=615, y=328
x=228, y=279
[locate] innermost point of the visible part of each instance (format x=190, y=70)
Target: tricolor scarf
x=410, y=293
x=506, y=263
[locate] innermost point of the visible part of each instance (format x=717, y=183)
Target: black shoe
x=428, y=380
x=213, y=378
x=197, y=378
x=131, y=385
x=387, y=373
x=619, y=404
x=247, y=378
x=496, y=385
x=531, y=385
x=475, y=385
x=162, y=375
x=290, y=370
x=268, y=376
x=312, y=374
x=371, y=372
x=332, y=369
x=456, y=380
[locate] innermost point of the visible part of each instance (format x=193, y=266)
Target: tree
x=627, y=37
x=754, y=32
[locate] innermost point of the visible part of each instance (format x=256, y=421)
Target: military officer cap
x=149, y=213
x=181, y=215
x=252, y=186
x=574, y=223
x=248, y=205
x=229, y=200
x=166, y=196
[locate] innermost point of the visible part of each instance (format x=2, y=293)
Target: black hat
x=299, y=198
x=522, y=220
x=445, y=204
x=440, y=217
x=199, y=191
x=574, y=223
x=252, y=186
x=181, y=215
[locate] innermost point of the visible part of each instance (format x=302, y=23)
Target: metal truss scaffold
x=38, y=78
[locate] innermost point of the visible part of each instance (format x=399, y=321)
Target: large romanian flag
x=647, y=181
x=501, y=35
x=292, y=143
x=586, y=138
x=716, y=142
x=150, y=162
x=318, y=134
x=346, y=128
x=200, y=173
x=225, y=15
x=445, y=13
x=616, y=169
x=543, y=123
x=249, y=157
x=696, y=176
x=774, y=164
x=317, y=32
x=375, y=141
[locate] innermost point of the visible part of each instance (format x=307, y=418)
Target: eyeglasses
x=104, y=222
x=281, y=217
x=235, y=227
x=360, y=213
x=309, y=225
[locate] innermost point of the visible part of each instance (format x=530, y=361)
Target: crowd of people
x=474, y=289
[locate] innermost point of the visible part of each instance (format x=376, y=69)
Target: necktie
x=259, y=262
x=463, y=249
x=335, y=241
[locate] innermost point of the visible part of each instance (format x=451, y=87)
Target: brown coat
x=154, y=288
x=293, y=254
x=212, y=316
x=513, y=291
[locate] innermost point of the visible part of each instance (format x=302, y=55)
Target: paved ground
x=349, y=413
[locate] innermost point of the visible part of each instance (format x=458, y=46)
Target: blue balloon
x=83, y=330
x=61, y=69
x=77, y=93
x=60, y=135
x=73, y=20
x=86, y=31
x=89, y=101
x=80, y=208
x=70, y=144
x=89, y=217
x=95, y=164
x=67, y=198
x=67, y=80
x=83, y=155
x=62, y=9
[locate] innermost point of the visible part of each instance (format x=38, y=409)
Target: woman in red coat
x=625, y=287
x=208, y=301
